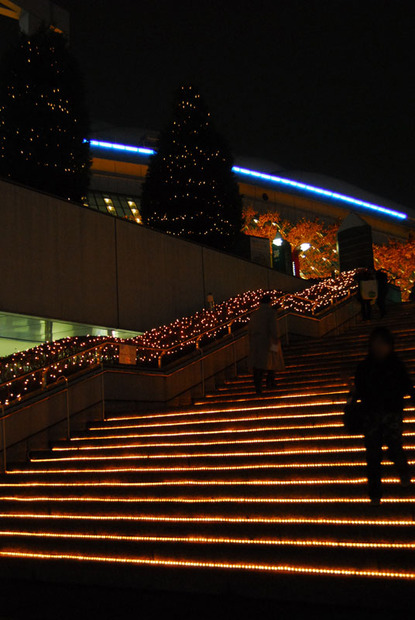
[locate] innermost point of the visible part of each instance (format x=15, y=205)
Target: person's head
x=265, y=300
x=381, y=343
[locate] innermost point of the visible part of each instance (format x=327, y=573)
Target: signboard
x=282, y=258
x=128, y=354
x=354, y=243
x=260, y=249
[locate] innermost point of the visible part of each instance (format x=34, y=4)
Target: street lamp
x=303, y=247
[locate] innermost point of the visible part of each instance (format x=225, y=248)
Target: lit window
x=110, y=206
x=135, y=211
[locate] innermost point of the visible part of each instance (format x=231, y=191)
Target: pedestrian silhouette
x=265, y=353
x=381, y=383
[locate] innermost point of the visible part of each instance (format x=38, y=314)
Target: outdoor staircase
x=239, y=493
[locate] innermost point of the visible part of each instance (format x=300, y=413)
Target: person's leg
x=368, y=310
x=393, y=439
x=258, y=376
x=271, y=379
x=373, y=444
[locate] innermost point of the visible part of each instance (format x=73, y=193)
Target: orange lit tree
x=320, y=260
x=397, y=258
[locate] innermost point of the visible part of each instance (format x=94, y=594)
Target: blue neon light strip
x=319, y=191
x=138, y=150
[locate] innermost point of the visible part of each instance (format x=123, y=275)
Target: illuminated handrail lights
x=270, y=178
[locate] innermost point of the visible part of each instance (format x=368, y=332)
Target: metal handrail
x=44, y=369
x=161, y=350
x=3, y=436
x=99, y=362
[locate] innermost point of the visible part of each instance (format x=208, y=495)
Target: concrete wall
x=62, y=261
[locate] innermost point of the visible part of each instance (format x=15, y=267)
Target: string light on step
x=234, y=566
x=288, y=439
x=263, y=407
x=195, y=455
x=203, y=500
x=189, y=468
x=209, y=540
x=113, y=470
x=105, y=437
x=214, y=421
x=156, y=518
x=192, y=422
x=276, y=395
x=185, y=483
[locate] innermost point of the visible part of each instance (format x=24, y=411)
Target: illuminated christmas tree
x=43, y=117
x=190, y=189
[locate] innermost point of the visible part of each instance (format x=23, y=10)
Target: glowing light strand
x=269, y=178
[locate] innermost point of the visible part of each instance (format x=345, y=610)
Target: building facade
x=119, y=169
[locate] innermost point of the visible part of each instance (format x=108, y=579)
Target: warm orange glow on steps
x=230, y=410
x=288, y=439
x=204, y=500
x=172, y=483
x=214, y=519
x=111, y=487
x=210, y=540
x=235, y=566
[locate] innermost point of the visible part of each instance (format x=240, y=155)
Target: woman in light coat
x=264, y=344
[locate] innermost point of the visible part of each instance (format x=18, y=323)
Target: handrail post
x=3, y=432
x=202, y=373
x=160, y=359
x=287, y=337
x=102, y=391
x=235, y=365
x=68, y=415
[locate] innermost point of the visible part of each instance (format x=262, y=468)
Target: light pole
x=300, y=249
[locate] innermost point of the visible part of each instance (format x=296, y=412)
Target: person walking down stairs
x=265, y=353
x=381, y=383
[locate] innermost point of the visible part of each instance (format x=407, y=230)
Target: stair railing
x=97, y=360
x=97, y=352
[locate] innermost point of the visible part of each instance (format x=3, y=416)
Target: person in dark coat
x=381, y=383
x=263, y=334
x=365, y=275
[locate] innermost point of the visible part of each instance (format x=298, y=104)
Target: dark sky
x=320, y=85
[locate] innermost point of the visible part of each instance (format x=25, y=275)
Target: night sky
x=320, y=85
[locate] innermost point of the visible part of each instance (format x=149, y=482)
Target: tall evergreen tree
x=43, y=116
x=190, y=189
